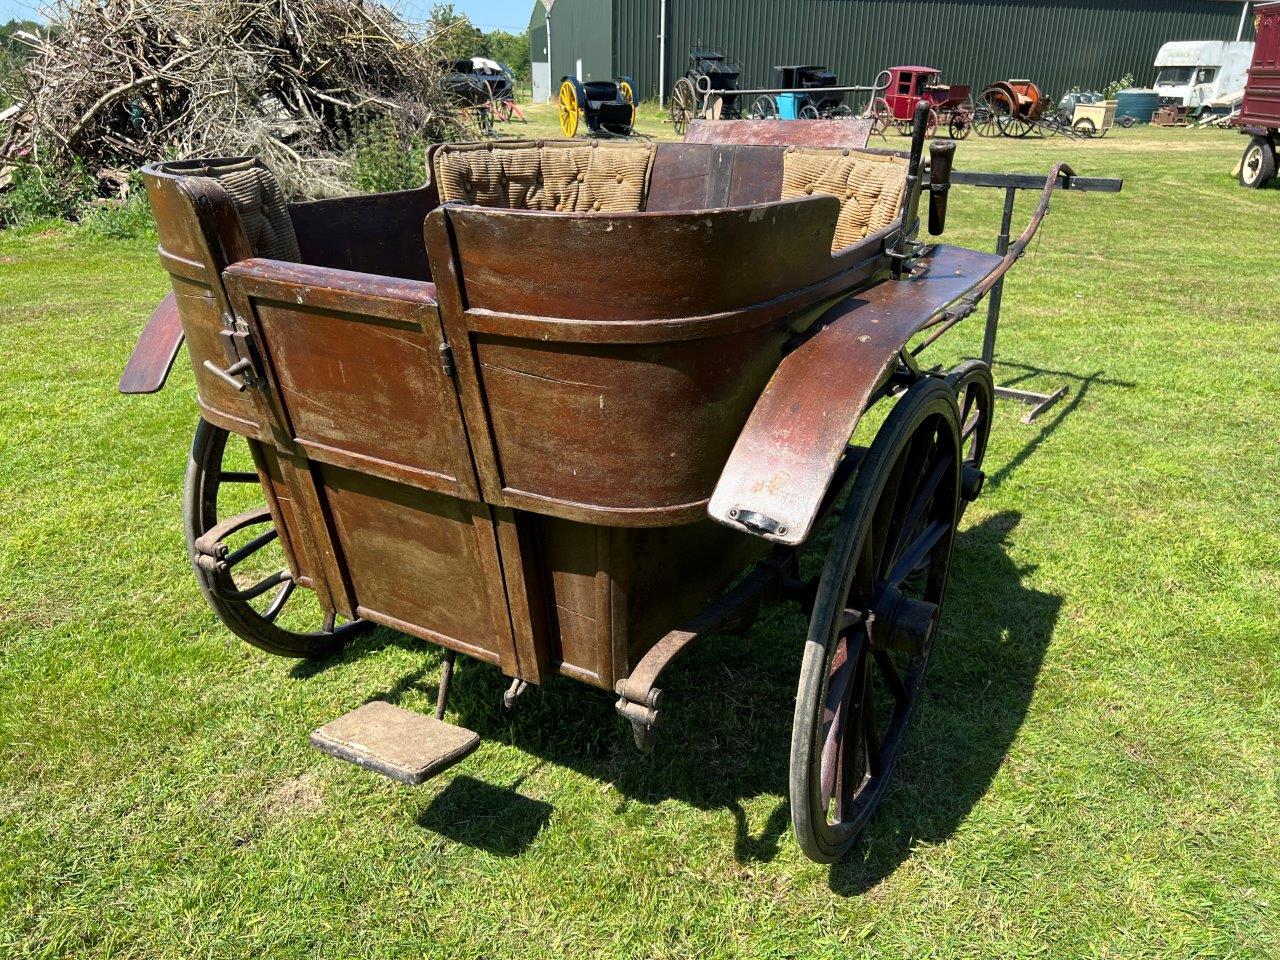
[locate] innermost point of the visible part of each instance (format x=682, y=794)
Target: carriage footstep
x=397, y=743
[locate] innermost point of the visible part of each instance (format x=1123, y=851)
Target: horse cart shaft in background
x=563, y=472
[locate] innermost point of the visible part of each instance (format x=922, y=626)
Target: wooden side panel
x=378, y=233
x=630, y=427
x=358, y=381
x=846, y=132
x=675, y=572
x=575, y=561
x=421, y=562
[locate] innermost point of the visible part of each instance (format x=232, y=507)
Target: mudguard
x=155, y=351
x=784, y=459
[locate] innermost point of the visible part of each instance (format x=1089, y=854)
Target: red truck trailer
x=1259, y=116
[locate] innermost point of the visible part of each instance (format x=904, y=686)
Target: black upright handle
x=941, y=155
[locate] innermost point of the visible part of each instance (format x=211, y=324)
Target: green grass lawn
x=1093, y=771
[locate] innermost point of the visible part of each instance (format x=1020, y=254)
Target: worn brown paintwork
x=157, y=348
x=845, y=133
x=514, y=461
x=784, y=458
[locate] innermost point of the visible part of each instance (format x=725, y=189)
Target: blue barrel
x=1137, y=103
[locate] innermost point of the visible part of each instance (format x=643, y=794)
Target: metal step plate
x=397, y=743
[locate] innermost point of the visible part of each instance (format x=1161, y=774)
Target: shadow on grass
x=726, y=728
x=478, y=814
x=1057, y=414
x=980, y=684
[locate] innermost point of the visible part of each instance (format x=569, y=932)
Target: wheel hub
x=901, y=622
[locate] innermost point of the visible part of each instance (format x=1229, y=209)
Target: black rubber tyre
x=253, y=621
x=878, y=603
x=1258, y=165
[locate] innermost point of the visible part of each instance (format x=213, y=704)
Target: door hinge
x=446, y=360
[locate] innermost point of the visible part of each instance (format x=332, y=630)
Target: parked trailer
x=1259, y=116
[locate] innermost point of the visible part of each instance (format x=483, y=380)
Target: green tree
x=511, y=49
x=457, y=36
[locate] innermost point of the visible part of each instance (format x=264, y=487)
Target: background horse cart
x=909, y=86
x=563, y=472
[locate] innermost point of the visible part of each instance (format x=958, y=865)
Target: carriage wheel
x=809, y=112
x=569, y=109
x=881, y=114
x=1085, y=127
x=764, y=108
x=1050, y=125
x=504, y=110
x=959, y=123
x=874, y=620
x=684, y=101
x=629, y=95
x=975, y=393
x=1258, y=164
x=280, y=619
x=984, y=122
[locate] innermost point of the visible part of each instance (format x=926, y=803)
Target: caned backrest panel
x=565, y=175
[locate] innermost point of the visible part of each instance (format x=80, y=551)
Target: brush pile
x=117, y=83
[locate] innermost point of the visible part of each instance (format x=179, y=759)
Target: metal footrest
x=397, y=743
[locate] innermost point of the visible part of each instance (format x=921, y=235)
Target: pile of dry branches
x=117, y=83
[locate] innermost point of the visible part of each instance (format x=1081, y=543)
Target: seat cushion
x=567, y=175
x=869, y=187
x=260, y=203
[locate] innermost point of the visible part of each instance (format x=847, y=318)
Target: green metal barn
x=1057, y=44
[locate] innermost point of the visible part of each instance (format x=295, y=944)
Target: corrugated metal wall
x=1056, y=44
x=583, y=29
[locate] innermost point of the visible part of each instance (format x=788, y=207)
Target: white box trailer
x=1191, y=73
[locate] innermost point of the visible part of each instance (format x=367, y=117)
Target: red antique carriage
x=562, y=472
x=910, y=86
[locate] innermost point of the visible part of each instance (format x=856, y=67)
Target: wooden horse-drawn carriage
x=908, y=86
x=564, y=471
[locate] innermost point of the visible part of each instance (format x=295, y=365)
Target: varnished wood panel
x=424, y=562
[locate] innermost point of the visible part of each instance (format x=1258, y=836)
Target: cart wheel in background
x=682, y=104
x=1258, y=165
x=809, y=112
x=874, y=619
x=629, y=95
x=504, y=110
x=975, y=393
x=1126, y=122
x=282, y=620
x=569, y=108
x=1084, y=126
x=842, y=111
x=881, y=116
x=959, y=124
x=764, y=108
x=1050, y=125
x=984, y=123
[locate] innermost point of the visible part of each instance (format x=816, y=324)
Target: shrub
x=387, y=158
x=37, y=195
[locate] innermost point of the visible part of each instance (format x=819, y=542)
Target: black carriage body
x=472, y=82
x=814, y=78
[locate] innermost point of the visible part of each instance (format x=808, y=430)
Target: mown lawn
x=1093, y=773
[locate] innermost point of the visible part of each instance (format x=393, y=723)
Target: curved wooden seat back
x=608, y=362
x=210, y=214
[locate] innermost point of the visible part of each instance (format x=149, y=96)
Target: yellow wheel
x=568, y=108
x=628, y=95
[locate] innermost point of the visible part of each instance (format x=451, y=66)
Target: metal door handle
x=229, y=375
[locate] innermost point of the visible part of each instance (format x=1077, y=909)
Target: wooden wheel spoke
x=922, y=497
x=252, y=547
x=892, y=679
x=870, y=737
x=848, y=777
x=915, y=553
x=278, y=602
